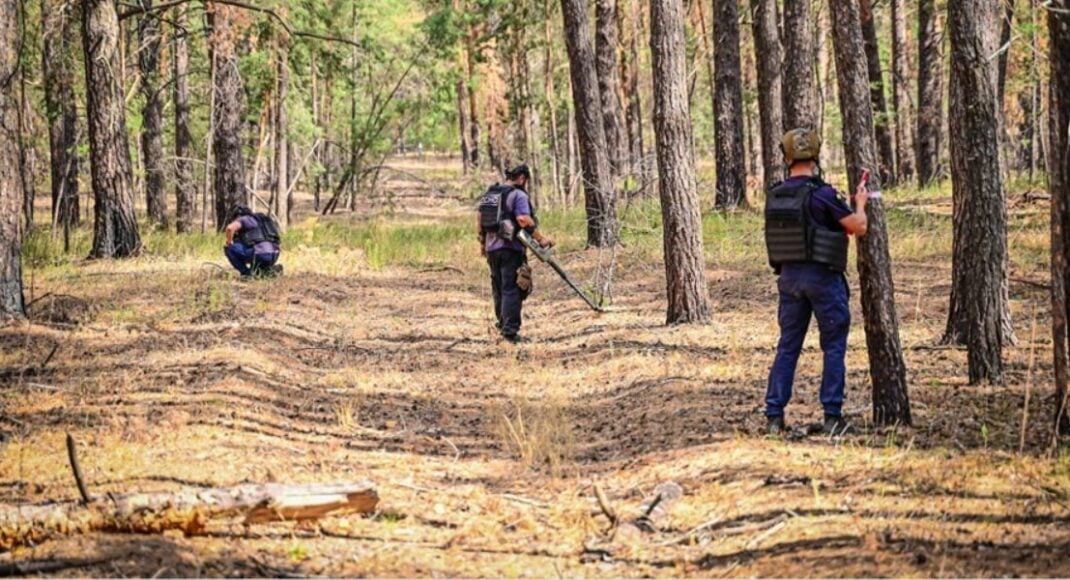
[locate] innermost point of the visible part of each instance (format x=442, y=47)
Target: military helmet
x=801, y=144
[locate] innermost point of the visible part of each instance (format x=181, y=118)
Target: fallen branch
x=1033, y=283
x=655, y=509
x=72, y=455
x=687, y=536
x=189, y=510
x=434, y=269
x=48, y=566
x=523, y=500
x=603, y=503
x=757, y=540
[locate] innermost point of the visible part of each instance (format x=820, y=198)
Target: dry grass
x=170, y=372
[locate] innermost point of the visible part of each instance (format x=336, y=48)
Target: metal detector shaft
x=546, y=255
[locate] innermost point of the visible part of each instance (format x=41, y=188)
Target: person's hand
x=861, y=194
x=546, y=242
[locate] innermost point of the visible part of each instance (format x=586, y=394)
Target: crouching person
x=252, y=244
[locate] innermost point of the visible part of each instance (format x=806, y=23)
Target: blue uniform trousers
x=807, y=289
x=508, y=298
x=245, y=260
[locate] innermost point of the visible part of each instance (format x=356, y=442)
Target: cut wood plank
x=188, y=510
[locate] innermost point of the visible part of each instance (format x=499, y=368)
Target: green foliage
x=386, y=243
x=39, y=250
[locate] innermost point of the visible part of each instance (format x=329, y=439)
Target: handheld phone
x=864, y=181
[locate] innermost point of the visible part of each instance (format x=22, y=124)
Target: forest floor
x=378, y=362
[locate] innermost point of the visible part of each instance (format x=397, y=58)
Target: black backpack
x=270, y=228
x=494, y=215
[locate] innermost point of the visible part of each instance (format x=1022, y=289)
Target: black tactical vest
x=265, y=231
x=792, y=236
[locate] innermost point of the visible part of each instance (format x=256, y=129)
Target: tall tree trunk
x=61, y=109
x=891, y=405
x=904, y=134
x=184, y=188
x=11, y=300
x=473, y=103
x=1006, y=22
x=462, y=125
x=634, y=113
x=115, y=232
x=823, y=58
x=930, y=93
x=728, y=107
x=1059, y=185
x=1036, y=155
x=282, y=149
x=685, y=268
x=152, y=115
x=26, y=153
x=574, y=172
x=770, y=98
x=752, y=128
x=463, y=110
x=885, y=146
x=800, y=94
x=608, y=69
x=549, y=92
x=229, y=178
x=979, y=312
x=597, y=176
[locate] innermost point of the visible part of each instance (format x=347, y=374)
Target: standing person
x=504, y=210
x=252, y=244
x=806, y=229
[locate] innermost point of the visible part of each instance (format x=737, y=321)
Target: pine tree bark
x=61, y=109
x=887, y=369
x=1006, y=22
x=184, y=187
x=904, y=134
x=930, y=93
x=282, y=161
x=826, y=97
x=11, y=300
x=885, y=146
x=473, y=103
x=685, y=267
x=597, y=175
x=752, y=128
x=800, y=91
x=151, y=115
x=229, y=175
x=462, y=125
x=115, y=231
x=461, y=88
x=731, y=160
x=979, y=312
x=608, y=69
x=634, y=112
x=549, y=93
x=1059, y=185
x=26, y=157
x=770, y=95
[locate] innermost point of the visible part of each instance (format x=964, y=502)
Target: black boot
x=774, y=426
x=835, y=426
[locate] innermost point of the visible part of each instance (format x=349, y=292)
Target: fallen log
x=189, y=510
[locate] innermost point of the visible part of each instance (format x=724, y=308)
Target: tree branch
x=135, y=10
